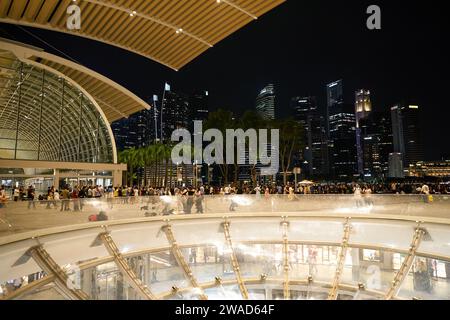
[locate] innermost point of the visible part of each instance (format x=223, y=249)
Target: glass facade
x=45, y=117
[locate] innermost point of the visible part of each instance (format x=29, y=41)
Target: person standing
x=16, y=194
x=258, y=191
x=2, y=196
x=65, y=196
x=358, y=195
x=199, y=201
x=425, y=190
x=368, y=196
x=30, y=197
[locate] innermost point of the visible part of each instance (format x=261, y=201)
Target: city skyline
x=300, y=56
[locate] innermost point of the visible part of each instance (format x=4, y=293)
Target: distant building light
x=414, y=107
x=331, y=85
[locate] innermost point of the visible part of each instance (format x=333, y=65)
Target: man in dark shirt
x=30, y=197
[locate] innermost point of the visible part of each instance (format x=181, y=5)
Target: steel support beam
x=124, y=267
x=407, y=264
x=50, y=267
x=332, y=295
x=180, y=259
x=28, y=288
x=286, y=290
x=234, y=261
x=230, y=3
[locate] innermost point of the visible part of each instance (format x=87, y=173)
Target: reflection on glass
x=224, y=293
x=428, y=279
x=159, y=271
x=374, y=269
x=47, y=292
x=12, y=285
x=209, y=262
x=106, y=282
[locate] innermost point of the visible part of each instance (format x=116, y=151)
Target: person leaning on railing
x=3, y=197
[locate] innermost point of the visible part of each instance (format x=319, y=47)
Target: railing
x=368, y=247
x=23, y=216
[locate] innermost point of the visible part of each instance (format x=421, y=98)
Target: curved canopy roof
x=115, y=101
x=171, y=32
x=46, y=116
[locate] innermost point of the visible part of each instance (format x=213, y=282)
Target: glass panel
x=315, y=231
x=48, y=292
x=256, y=229
x=209, y=262
x=438, y=241
x=27, y=145
x=374, y=268
x=385, y=234
x=159, y=271
x=224, y=293
x=6, y=154
x=428, y=279
x=10, y=286
x=26, y=155
x=318, y=261
x=107, y=284
x=257, y=259
x=7, y=144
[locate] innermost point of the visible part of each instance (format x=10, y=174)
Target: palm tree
x=131, y=158
x=221, y=120
x=290, y=141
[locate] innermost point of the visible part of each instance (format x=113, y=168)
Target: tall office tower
x=199, y=106
x=376, y=144
x=314, y=157
x=341, y=133
x=363, y=108
x=134, y=131
x=396, y=165
x=406, y=133
x=175, y=114
x=265, y=102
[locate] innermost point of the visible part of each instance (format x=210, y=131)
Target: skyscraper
x=406, y=133
x=136, y=131
x=265, y=102
x=175, y=114
x=314, y=157
x=199, y=106
x=363, y=108
x=341, y=133
x=376, y=144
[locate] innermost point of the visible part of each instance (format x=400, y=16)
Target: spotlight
x=218, y=280
x=263, y=277
x=310, y=278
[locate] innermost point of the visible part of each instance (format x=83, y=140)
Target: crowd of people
x=69, y=198
x=80, y=192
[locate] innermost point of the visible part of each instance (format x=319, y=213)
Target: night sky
x=300, y=46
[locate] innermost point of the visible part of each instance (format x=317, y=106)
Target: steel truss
x=234, y=261
x=125, y=268
x=332, y=295
x=180, y=259
x=61, y=279
x=407, y=263
x=286, y=290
